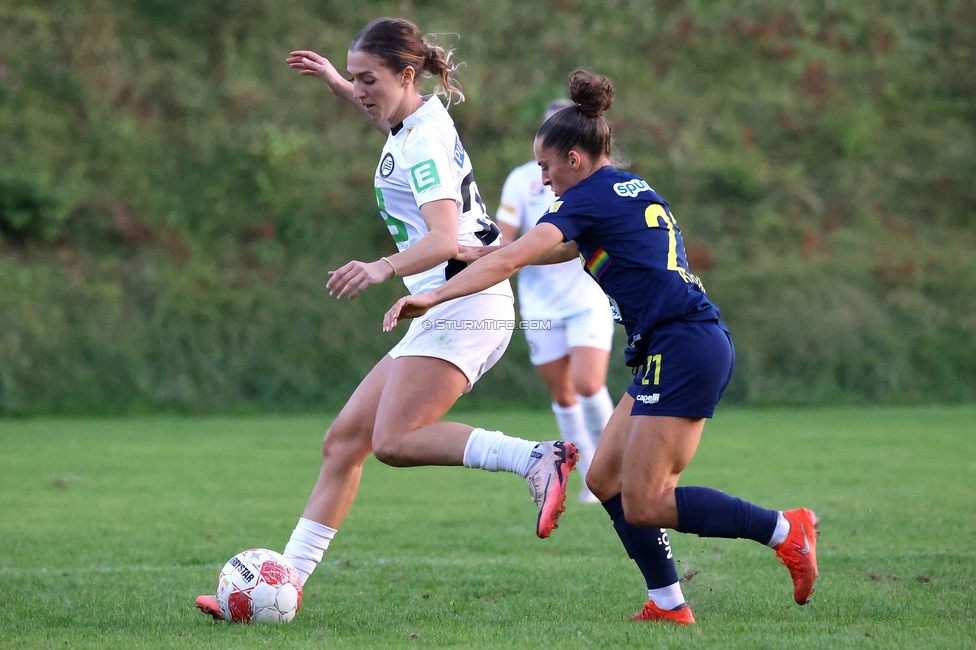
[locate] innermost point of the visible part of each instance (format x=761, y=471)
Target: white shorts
x=470, y=332
x=592, y=328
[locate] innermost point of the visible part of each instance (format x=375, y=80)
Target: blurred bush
x=172, y=196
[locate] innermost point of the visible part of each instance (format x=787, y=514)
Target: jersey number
x=652, y=360
x=469, y=192
x=397, y=228
x=653, y=216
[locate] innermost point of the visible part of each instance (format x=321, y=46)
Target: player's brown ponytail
x=581, y=125
x=437, y=61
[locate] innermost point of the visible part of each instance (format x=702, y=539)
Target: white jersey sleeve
x=432, y=175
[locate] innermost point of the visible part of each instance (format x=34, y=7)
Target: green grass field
x=110, y=528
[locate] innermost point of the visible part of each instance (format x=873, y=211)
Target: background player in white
x=427, y=196
x=572, y=356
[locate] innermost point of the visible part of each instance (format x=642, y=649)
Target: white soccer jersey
x=546, y=290
x=423, y=161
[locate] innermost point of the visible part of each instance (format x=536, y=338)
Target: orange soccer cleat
x=799, y=552
x=651, y=612
x=208, y=605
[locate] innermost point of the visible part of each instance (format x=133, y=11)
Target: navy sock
x=712, y=513
x=650, y=548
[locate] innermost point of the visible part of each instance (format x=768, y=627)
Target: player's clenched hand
x=353, y=277
x=311, y=64
x=407, y=307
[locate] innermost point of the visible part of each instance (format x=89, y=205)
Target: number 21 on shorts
x=652, y=360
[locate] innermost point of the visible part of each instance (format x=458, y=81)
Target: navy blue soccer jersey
x=630, y=244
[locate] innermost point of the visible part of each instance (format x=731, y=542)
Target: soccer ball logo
x=259, y=586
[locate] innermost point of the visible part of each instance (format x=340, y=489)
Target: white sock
x=667, y=597
x=573, y=429
x=597, y=409
x=493, y=451
x=306, y=546
x=782, y=530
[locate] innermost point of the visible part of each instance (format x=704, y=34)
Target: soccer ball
x=259, y=586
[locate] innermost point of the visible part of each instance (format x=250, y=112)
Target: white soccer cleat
x=547, y=481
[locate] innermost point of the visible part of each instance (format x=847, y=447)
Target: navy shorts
x=686, y=368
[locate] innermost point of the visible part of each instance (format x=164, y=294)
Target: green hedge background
x=172, y=196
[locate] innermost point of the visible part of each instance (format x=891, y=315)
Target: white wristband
x=387, y=260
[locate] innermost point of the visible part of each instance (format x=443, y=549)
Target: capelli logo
x=387, y=165
x=631, y=188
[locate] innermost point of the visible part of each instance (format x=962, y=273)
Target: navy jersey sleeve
x=572, y=214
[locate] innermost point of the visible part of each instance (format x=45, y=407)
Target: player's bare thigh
x=354, y=424
x=604, y=476
x=582, y=372
x=588, y=369
x=557, y=378
x=419, y=391
x=346, y=446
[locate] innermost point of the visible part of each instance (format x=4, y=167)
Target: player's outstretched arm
x=311, y=64
x=485, y=272
x=565, y=252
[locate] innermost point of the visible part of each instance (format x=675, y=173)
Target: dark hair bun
x=591, y=93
